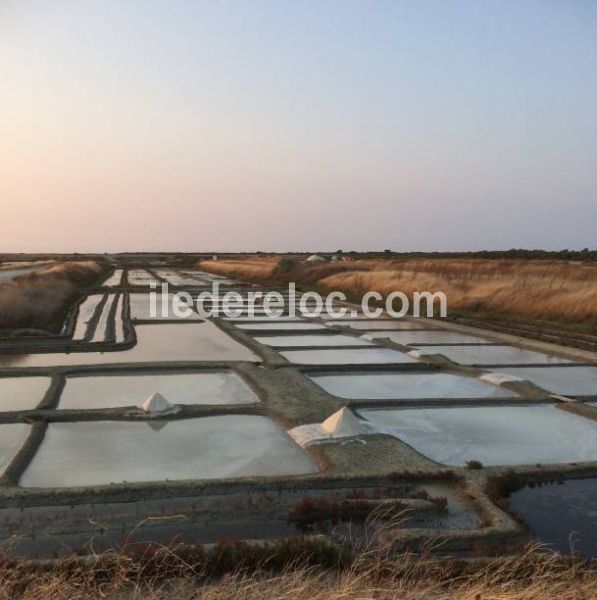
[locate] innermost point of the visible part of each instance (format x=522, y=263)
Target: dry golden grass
x=538, y=289
x=542, y=290
x=38, y=300
x=254, y=269
x=166, y=574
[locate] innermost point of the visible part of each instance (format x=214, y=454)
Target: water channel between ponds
x=341, y=513
x=561, y=514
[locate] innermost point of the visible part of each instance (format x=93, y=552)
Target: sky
x=247, y=125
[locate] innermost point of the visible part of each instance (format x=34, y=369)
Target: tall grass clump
x=39, y=300
x=237, y=571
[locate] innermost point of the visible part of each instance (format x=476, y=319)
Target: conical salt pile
x=156, y=403
x=342, y=424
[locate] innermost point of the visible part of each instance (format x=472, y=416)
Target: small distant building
x=214, y=257
x=315, y=258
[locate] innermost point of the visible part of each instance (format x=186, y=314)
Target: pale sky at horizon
x=175, y=125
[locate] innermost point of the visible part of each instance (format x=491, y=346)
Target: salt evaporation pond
x=287, y=326
x=22, y=393
x=114, y=280
x=429, y=337
x=118, y=320
x=86, y=311
x=104, y=452
x=110, y=391
x=568, y=380
x=561, y=514
x=494, y=355
x=348, y=356
x=141, y=277
x=281, y=341
x=12, y=437
x=265, y=318
x=493, y=435
x=383, y=324
x=140, y=305
x=350, y=315
x=180, y=279
x=101, y=329
x=387, y=386
x=155, y=343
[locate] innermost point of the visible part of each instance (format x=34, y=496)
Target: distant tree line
x=584, y=255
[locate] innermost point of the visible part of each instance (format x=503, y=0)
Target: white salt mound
x=342, y=424
x=499, y=378
x=156, y=403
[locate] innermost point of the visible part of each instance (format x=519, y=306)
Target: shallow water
x=406, y=385
x=287, y=326
x=118, y=320
x=561, y=514
x=86, y=311
x=347, y=356
x=60, y=530
x=101, y=329
x=141, y=277
x=493, y=435
x=155, y=343
x=494, y=355
x=280, y=341
x=180, y=279
x=114, y=280
x=12, y=437
x=103, y=452
x=413, y=338
x=384, y=324
x=572, y=381
x=22, y=393
x=108, y=391
x=141, y=308
x=265, y=318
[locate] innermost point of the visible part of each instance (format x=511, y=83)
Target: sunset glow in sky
x=296, y=125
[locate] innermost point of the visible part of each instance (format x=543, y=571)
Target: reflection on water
x=155, y=343
x=48, y=531
x=561, y=514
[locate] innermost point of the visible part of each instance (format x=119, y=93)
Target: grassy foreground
x=557, y=293
x=234, y=572
x=40, y=299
